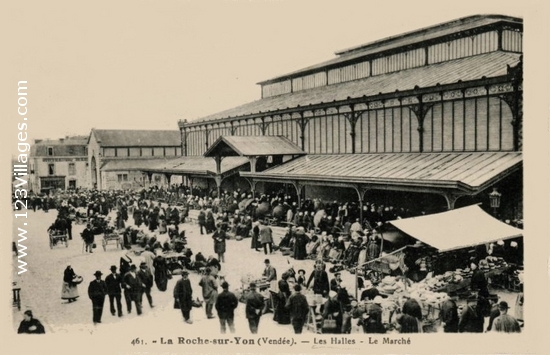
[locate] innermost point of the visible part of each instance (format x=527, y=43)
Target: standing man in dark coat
x=298, y=308
x=146, y=278
x=254, y=305
x=449, y=315
x=183, y=295
x=132, y=289
x=97, y=290
x=201, y=219
x=219, y=242
x=114, y=290
x=471, y=319
x=300, y=243
x=225, y=305
x=88, y=237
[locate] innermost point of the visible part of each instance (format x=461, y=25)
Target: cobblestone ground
x=41, y=284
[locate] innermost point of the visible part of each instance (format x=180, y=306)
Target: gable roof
x=253, y=146
x=136, y=138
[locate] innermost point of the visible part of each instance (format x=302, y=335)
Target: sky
x=146, y=64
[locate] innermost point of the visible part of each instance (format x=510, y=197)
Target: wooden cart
x=112, y=238
x=58, y=238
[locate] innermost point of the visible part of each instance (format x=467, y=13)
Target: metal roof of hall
x=464, y=69
x=196, y=165
x=468, y=172
x=253, y=146
x=404, y=40
x=190, y=165
x=137, y=138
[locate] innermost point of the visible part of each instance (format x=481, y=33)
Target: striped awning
x=466, y=173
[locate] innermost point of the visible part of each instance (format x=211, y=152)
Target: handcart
x=112, y=238
x=58, y=238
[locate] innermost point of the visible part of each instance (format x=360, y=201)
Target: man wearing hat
x=132, y=289
x=505, y=322
x=225, y=306
x=146, y=278
x=183, y=295
x=270, y=273
x=254, y=304
x=209, y=291
x=335, y=282
x=114, y=290
x=97, y=290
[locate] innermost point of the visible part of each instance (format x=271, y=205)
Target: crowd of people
x=325, y=232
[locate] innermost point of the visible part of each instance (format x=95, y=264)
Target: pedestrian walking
x=183, y=296
x=321, y=285
x=132, y=289
x=114, y=290
x=97, y=290
x=254, y=305
x=225, y=306
x=69, y=290
x=146, y=278
x=201, y=219
x=161, y=272
x=219, y=237
x=266, y=238
x=209, y=291
x=298, y=308
x=88, y=237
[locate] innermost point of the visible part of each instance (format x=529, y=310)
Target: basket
x=77, y=280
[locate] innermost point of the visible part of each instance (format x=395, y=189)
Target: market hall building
x=431, y=118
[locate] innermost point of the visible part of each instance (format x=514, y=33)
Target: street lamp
x=494, y=198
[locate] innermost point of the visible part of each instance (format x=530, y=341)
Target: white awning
x=456, y=229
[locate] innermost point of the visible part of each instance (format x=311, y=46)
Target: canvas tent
x=456, y=229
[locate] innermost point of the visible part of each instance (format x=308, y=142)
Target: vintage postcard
x=293, y=177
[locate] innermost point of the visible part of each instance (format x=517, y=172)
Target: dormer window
x=50, y=151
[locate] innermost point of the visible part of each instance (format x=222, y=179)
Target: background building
x=117, y=158
x=61, y=163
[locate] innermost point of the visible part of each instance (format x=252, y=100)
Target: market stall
x=437, y=264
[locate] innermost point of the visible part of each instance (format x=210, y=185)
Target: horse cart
x=58, y=238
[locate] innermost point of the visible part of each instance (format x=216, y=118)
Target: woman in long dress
x=70, y=289
x=281, y=315
x=161, y=271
